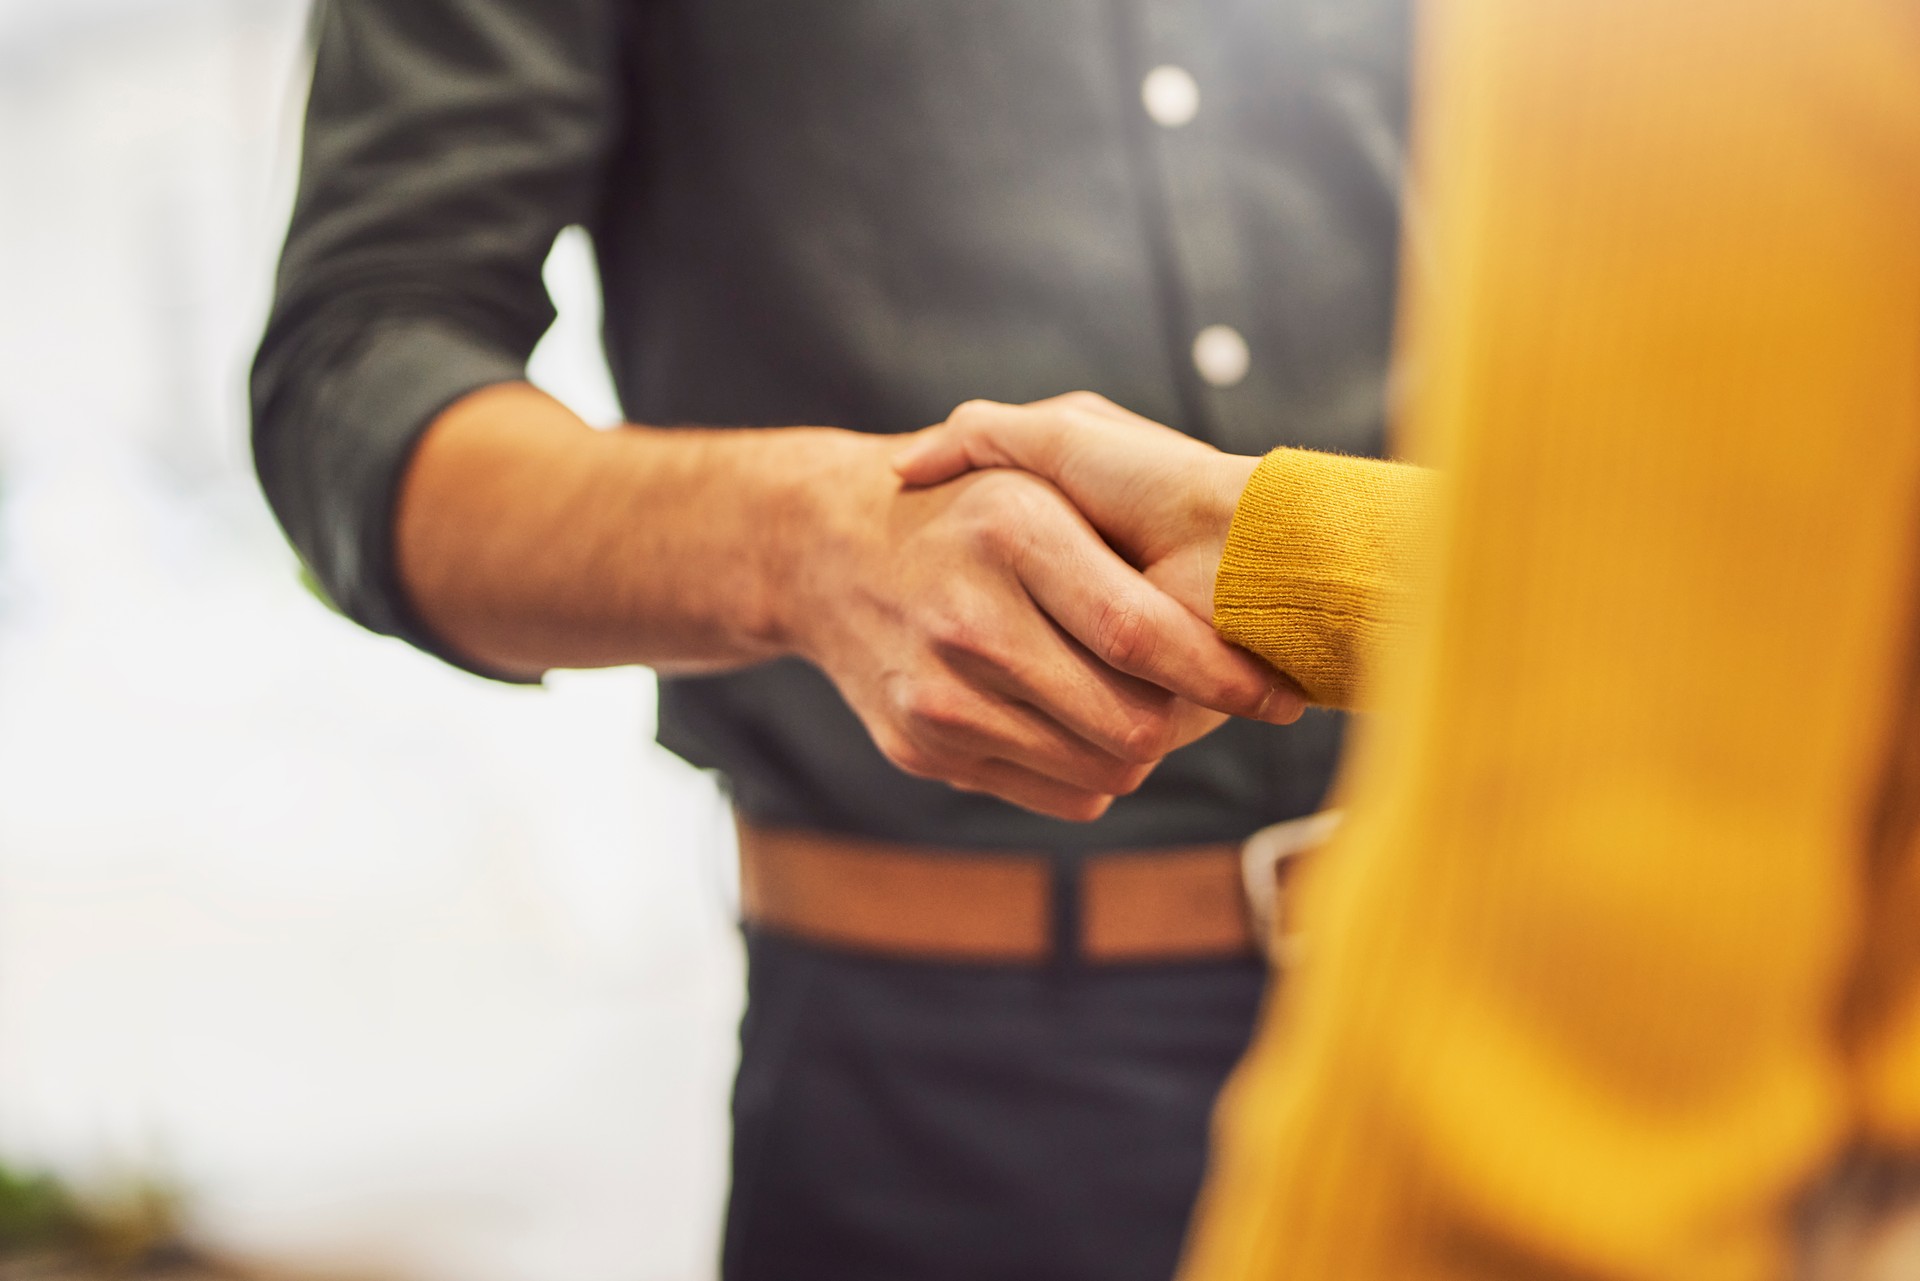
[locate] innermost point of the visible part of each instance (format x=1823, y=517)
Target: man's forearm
x=527, y=540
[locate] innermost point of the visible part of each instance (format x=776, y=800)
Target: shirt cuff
x=1322, y=565
x=339, y=471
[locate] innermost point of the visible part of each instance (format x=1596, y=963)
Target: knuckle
x=1123, y=636
x=909, y=757
x=1085, y=809
x=1113, y=778
x=956, y=631
x=972, y=633
x=936, y=710
x=1147, y=740
x=1003, y=490
x=1086, y=399
x=970, y=415
x=999, y=532
x=1239, y=692
x=1003, y=515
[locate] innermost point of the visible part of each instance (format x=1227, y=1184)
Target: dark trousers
x=906, y=1121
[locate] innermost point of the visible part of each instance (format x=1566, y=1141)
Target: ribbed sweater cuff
x=1322, y=563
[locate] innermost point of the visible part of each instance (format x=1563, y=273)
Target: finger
x=976, y=724
x=933, y=456
x=1023, y=787
x=1091, y=402
x=1192, y=722
x=1085, y=711
x=1132, y=626
x=985, y=433
x=1031, y=660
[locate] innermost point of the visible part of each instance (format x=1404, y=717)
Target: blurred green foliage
x=125, y=1231
x=36, y=1212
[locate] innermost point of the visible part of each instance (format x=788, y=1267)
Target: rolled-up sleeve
x=447, y=142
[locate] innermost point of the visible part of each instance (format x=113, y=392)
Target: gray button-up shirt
x=855, y=213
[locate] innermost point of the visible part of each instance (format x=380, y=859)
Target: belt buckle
x=1267, y=861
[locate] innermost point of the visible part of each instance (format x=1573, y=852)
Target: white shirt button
x=1221, y=355
x=1170, y=95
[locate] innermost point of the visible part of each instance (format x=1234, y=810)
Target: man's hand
x=1163, y=500
x=989, y=638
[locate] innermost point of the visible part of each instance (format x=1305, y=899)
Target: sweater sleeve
x=1613, y=954
x=1322, y=563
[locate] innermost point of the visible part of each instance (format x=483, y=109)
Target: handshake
x=1018, y=600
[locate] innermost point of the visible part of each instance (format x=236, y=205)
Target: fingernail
x=1282, y=705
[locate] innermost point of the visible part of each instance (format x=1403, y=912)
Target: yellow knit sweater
x=1621, y=943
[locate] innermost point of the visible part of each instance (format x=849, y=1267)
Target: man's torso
x=859, y=214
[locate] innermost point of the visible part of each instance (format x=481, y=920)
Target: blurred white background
x=393, y=972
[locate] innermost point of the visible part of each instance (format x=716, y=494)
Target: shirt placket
x=1185, y=99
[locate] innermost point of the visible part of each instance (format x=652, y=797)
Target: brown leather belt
x=913, y=901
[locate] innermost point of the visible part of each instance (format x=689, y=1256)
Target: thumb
x=985, y=433
x=931, y=456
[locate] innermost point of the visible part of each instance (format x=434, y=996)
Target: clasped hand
x=1020, y=606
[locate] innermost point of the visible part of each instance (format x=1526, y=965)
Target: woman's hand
x=1162, y=500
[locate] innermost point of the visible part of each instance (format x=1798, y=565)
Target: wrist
x=1211, y=503
x=1226, y=481
x=818, y=517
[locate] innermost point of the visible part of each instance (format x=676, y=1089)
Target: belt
x=920, y=902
